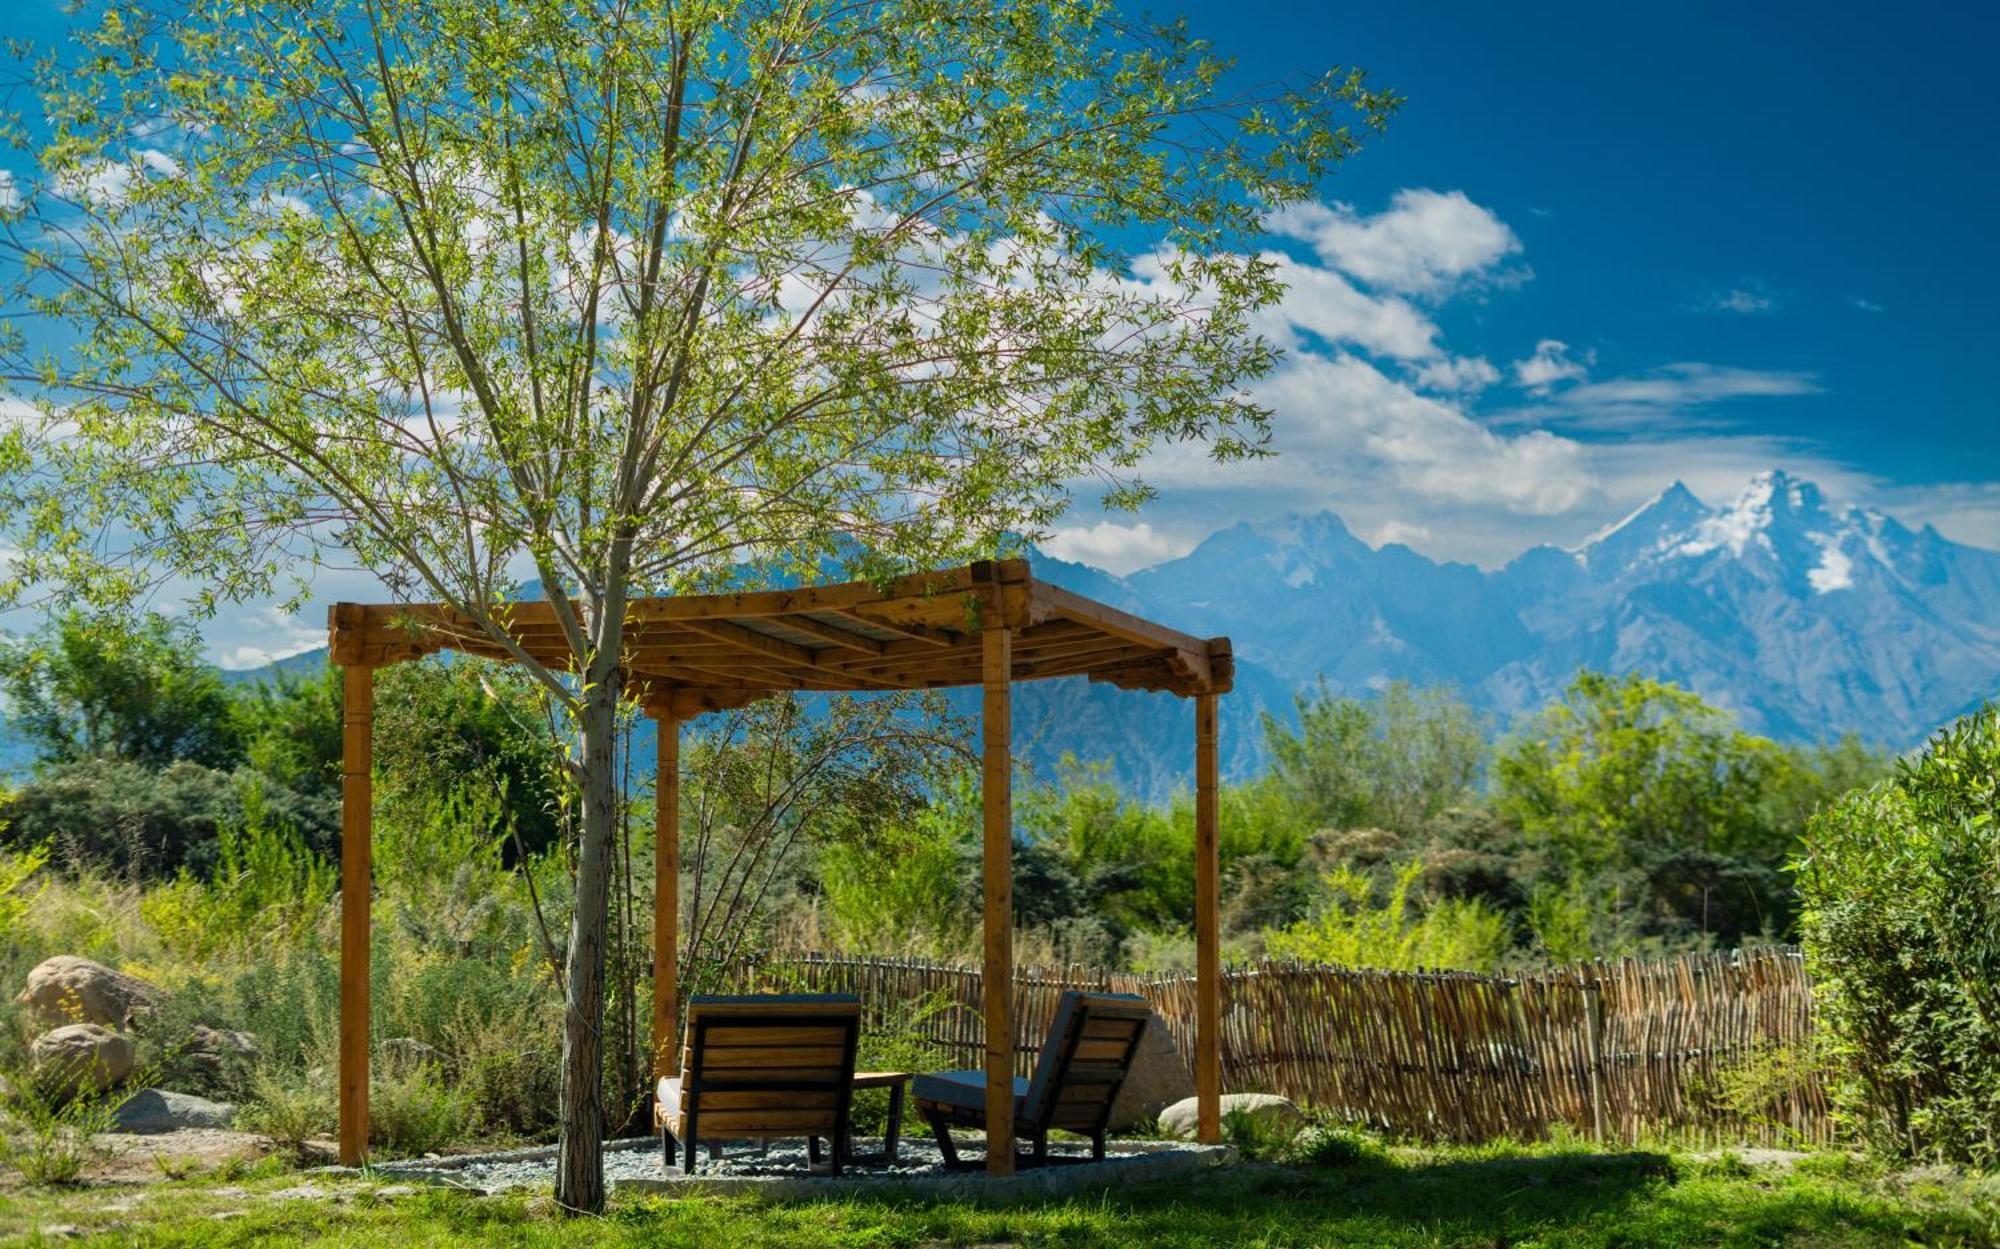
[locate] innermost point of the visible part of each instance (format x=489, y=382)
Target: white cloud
x=1425, y=243
x=1464, y=375
x=1865, y=305
x=1753, y=298
x=1672, y=393
x=1326, y=305
x=1393, y=531
x=1342, y=421
x=1551, y=363
x=1116, y=548
x=10, y=192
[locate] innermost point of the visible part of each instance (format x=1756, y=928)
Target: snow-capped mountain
x=1806, y=618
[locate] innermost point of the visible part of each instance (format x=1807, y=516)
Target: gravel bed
x=781, y=1169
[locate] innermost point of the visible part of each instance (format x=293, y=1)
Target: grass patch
x=1561, y=1200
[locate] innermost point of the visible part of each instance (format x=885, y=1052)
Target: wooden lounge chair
x=759, y=1067
x=1083, y=1064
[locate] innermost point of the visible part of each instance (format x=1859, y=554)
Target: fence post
x=1593, y=1005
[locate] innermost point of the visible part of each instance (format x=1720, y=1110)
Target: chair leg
x=715, y=1151
x=1042, y=1145
x=812, y=1151
x=688, y=1165
x=1097, y=1146
x=667, y=1148
x=942, y=1130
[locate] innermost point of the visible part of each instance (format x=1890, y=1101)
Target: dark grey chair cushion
x=961, y=1088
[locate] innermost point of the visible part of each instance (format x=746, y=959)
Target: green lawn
x=1487, y=1197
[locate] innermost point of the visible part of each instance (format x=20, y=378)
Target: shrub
x=1335, y=1148
x=414, y=1110
x=289, y=1110
x=136, y=821
x=47, y=1135
x=1901, y=892
x=1356, y=931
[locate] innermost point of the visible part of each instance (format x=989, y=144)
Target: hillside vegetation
x=185, y=830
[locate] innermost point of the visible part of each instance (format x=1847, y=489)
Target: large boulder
x=1274, y=1115
x=158, y=1110
x=67, y=989
x=80, y=1057
x=1159, y=1078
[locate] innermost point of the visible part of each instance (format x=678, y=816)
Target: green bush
x=1335, y=1148
x=413, y=1109
x=1901, y=891
x=133, y=820
x=1356, y=931
x=290, y=1110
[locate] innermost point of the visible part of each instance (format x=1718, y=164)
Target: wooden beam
x=1054, y=601
x=843, y=638
x=1207, y=923
x=777, y=657
x=356, y=833
x=914, y=632
x=997, y=971
x=666, y=889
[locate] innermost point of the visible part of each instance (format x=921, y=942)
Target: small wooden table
x=892, y=1132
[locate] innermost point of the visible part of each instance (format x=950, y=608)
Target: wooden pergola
x=989, y=624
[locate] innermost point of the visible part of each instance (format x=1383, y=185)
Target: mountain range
x=1805, y=618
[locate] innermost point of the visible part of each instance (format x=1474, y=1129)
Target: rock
x=215, y=1051
x=78, y=1057
x=406, y=1054
x=1159, y=1078
x=159, y=1110
x=66, y=989
x=1275, y=1114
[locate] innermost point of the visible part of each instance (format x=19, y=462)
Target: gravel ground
x=639, y=1159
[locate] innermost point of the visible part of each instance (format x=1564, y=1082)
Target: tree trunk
x=580, y=1165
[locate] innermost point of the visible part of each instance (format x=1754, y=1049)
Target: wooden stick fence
x=1714, y=1045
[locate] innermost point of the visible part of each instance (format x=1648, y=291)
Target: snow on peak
x=1650, y=529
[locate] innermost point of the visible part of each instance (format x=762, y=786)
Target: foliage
x=267, y=885
x=48, y=1135
x=773, y=783
x=1901, y=891
x=1357, y=931
x=1675, y=821
x=1336, y=1147
x=105, y=687
x=289, y=1111
x=18, y=870
x=136, y=821
x=1394, y=761
x=413, y=1109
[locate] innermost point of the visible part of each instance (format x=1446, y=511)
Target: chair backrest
x=776, y=1064
x=1091, y=1045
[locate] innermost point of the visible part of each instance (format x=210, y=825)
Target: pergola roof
x=917, y=632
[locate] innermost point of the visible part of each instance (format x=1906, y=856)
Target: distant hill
x=1806, y=619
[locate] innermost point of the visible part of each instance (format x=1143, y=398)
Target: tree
x=1638, y=787
x=627, y=297
x=1901, y=891
x=1394, y=761
x=99, y=687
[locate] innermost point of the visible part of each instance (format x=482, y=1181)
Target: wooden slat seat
x=1092, y=1042
x=762, y=1066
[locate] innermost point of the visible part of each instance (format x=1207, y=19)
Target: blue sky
x=1763, y=233
x=1601, y=247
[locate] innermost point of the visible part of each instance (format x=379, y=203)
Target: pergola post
x=356, y=834
x=1207, y=907
x=666, y=889
x=997, y=973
